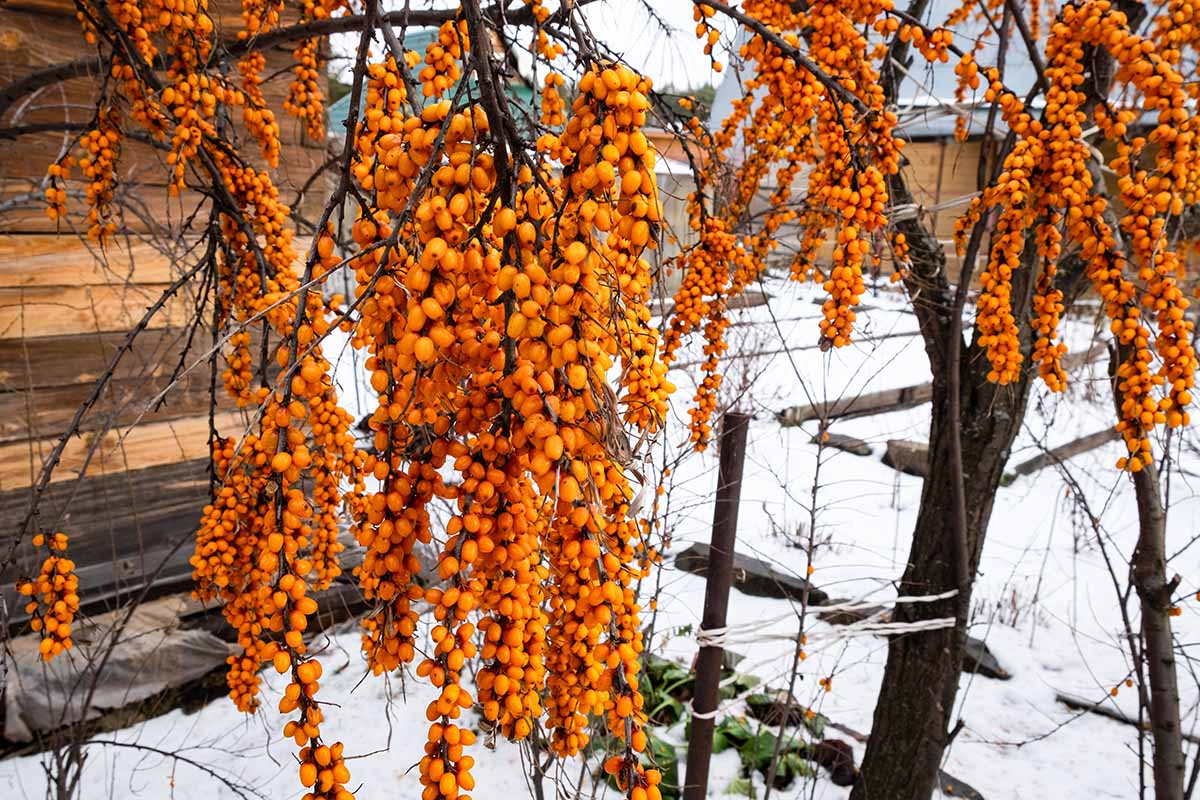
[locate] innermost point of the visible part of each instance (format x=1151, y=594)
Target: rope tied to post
x=755, y=631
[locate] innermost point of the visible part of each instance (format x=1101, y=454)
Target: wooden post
x=716, y=601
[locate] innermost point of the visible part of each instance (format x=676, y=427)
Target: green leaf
x=665, y=758
x=792, y=766
x=674, y=679
x=739, y=685
x=757, y=751
x=816, y=725
x=742, y=787
x=735, y=730
x=666, y=712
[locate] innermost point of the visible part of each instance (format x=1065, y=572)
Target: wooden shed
x=129, y=487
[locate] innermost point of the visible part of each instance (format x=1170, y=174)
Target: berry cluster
x=53, y=596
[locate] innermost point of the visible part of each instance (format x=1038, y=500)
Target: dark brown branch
x=57, y=73
x=17, y=131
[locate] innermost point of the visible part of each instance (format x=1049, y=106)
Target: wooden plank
x=55, y=311
x=145, y=210
x=1064, y=452
x=56, y=361
x=74, y=359
x=27, y=157
x=118, y=518
x=45, y=260
x=71, y=100
x=939, y=172
x=127, y=529
x=224, y=13
x=146, y=445
x=123, y=528
x=35, y=39
x=161, y=557
x=39, y=40
x=74, y=100
x=911, y=458
x=59, y=8
x=862, y=405
x=843, y=442
x=45, y=413
x=70, y=261
x=39, y=37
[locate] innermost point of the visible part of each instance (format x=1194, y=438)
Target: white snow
x=1045, y=599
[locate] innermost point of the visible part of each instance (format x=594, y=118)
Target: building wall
x=128, y=496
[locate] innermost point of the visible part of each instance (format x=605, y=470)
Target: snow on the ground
x=381, y=723
x=1045, y=600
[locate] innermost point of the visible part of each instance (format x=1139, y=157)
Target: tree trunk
x=1149, y=568
x=916, y=700
x=1154, y=593
x=920, y=681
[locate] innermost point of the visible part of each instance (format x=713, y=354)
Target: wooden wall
x=941, y=174
x=129, y=496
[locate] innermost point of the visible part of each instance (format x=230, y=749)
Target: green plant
x=756, y=749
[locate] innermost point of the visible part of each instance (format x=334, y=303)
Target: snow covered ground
x=1045, y=599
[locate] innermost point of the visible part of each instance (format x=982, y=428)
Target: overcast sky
x=675, y=58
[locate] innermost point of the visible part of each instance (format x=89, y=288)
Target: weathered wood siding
x=128, y=495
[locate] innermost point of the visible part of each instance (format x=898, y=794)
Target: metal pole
x=716, y=601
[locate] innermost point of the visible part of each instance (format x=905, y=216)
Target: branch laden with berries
x=818, y=115
x=501, y=287
x=501, y=295
x=53, y=596
x=814, y=107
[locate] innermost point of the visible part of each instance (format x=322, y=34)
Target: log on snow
x=1064, y=452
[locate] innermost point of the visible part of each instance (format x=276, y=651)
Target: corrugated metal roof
x=414, y=39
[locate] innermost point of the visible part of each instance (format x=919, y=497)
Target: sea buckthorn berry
x=53, y=596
